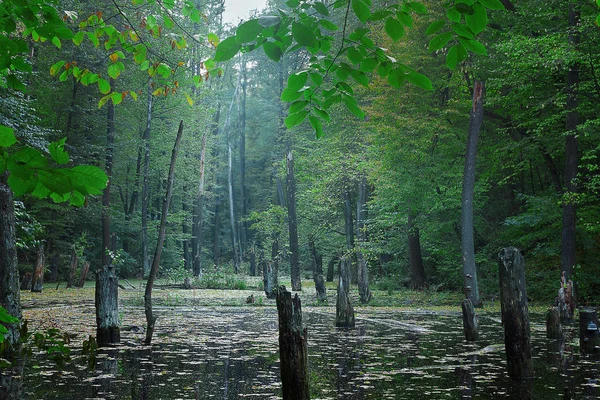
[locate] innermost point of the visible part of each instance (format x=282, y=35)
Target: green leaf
x=116, y=97
x=297, y=106
x=360, y=77
x=316, y=77
x=330, y=26
x=456, y=54
x=304, y=35
x=297, y=81
x=369, y=64
x=434, y=27
x=439, y=41
x=379, y=15
x=492, y=4
x=478, y=20
x=272, y=51
x=20, y=186
x=114, y=71
x=103, y=86
x=324, y=115
x=394, y=28
x=361, y=10
x=396, y=78
x=288, y=95
x=417, y=7
x=88, y=179
x=55, y=180
x=77, y=199
x=419, y=80
x=55, y=68
x=405, y=18
x=58, y=153
x=350, y=103
x=248, y=31
x=316, y=125
x=474, y=46
x=7, y=136
x=227, y=49
x=21, y=65
x=78, y=38
x=354, y=55
x=462, y=30
x=453, y=15
x=295, y=119
x=321, y=8
x=6, y=318
x=14, y=83
x=41, y=191
x=598, y=20
x=33, y=158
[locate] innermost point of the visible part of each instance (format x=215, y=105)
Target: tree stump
x=37, y=283
x=344, y=273
x=566, y=302
x=293, y=347
x=515, y=314
x=26, y=282
x=363, y=279
x=84, y=271
x=553, y=327
x=320, y=288
x=107, y=306
x=469, y=321
x=588, y=331
x=344, y=312
x=269, y=280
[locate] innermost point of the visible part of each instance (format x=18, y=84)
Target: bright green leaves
x=394, y=28
x=440, y=41
x=456, y=55
x=31, y=173
x=361, y=10
x=272, y=50
x=227, y=49
x=7, y=136
x=419, y=80
x=478, y=20
x=5, y=319
x=317, y=125
x=248, y=31
x=295, y=119
x=492, y=4
x=304, y=35
x=321, y=8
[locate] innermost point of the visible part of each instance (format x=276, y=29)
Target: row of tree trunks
x=150, y=318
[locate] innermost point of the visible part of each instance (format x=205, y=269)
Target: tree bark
x=107, y=290
x=84, y=271
x=293, y=347
x=187, y=257
x=553, y=327
x=146, y=186
x=73, y=271
x=468, y=244
x=38, y=273
x=293, y=222
x=271, y=272
x=344, y=312
x=569, y=217
x=243, y=191
x=10, y=296
x=469, y=321
x=198, y=216
x=150, y=318
x=417, y=270
x=515, y=314
x=361, y=236
x=330, y=267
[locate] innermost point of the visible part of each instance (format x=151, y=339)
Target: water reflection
x=231, y=353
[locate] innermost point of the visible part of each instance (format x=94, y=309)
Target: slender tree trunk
x=217, y=231
x=38, y=273
x=468, y=244
x=569, y=217
x=73, y=270
x=198, y=231
x=234, y=236
x=10, y=296
x=361, y=236
x=185, y=230
x=417, y=270
x=292, y=222
x=243, y=192
x=146, y=187
x=150, y=318
x=84, y=271
x=107, y=290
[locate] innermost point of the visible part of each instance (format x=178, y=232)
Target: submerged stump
x=515, y=314
x=344, y=312
x=469, y=321
x=107, y=307
x=293, y=347
x=320, y=288
x=553, y=326
x=588, y=331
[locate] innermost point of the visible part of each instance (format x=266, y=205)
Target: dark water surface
x=231, y=353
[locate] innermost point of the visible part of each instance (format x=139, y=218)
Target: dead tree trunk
x=417, y=270
x=588, y=331
x=150, y=318
x=553, y=327
x=83, y=276
x=9, y=273
x=344, y=312
x=73, y=271
x=317, y=268
x=271, y=272
x=293, y=222
x=253, y=259
x=243, y=191
x=469, y=321
x=467, y=240
x=330, y=267
x=320, y=288
x=293, y=347
x=566, y=302
x=26, y=282
x=515, y=314
x=361, y=236
x=38, y=273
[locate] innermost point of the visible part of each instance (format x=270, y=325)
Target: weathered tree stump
x=107, y=307
x=293, y=347
x=588, y=331
x=363, y=279
x=515, y=314
x=344, y=273
x=566, y=302
x=269, y=280
x=26, y=282
x=37, y=283
x=344, y=312
x=320, y=288
x=330, y=267
x=469, y=321
x=83, y=276
x=553, y=327
x=73, y=272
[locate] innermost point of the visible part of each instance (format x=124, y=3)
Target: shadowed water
x=231, y=353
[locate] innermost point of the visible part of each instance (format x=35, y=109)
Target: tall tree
x=146, y=184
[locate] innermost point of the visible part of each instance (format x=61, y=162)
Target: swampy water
x=226, y=352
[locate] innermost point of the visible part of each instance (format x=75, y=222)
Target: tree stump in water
x=588, y=331
x=515, y=314
x=566, y=302
x=344, y=273
x=320, y=288
x=553, y=327
x=107, y=307
x=269, y=280
x=38, y=273
x=469, y=321
x=344, y=312
x=293, y=347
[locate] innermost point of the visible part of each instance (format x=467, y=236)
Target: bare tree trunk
x=361, y=236
x=468, y=244
x=73, y=271
x=84, y=271
x=187, y=260
x=293, y=222
x=38, y=273
x=145, y=186
x=417, y=270
x=107, y=290
x=10, y=296
x=344, y=312
x=150, y=318
x=569, y=217
x=198, y=229
x=243, y=191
